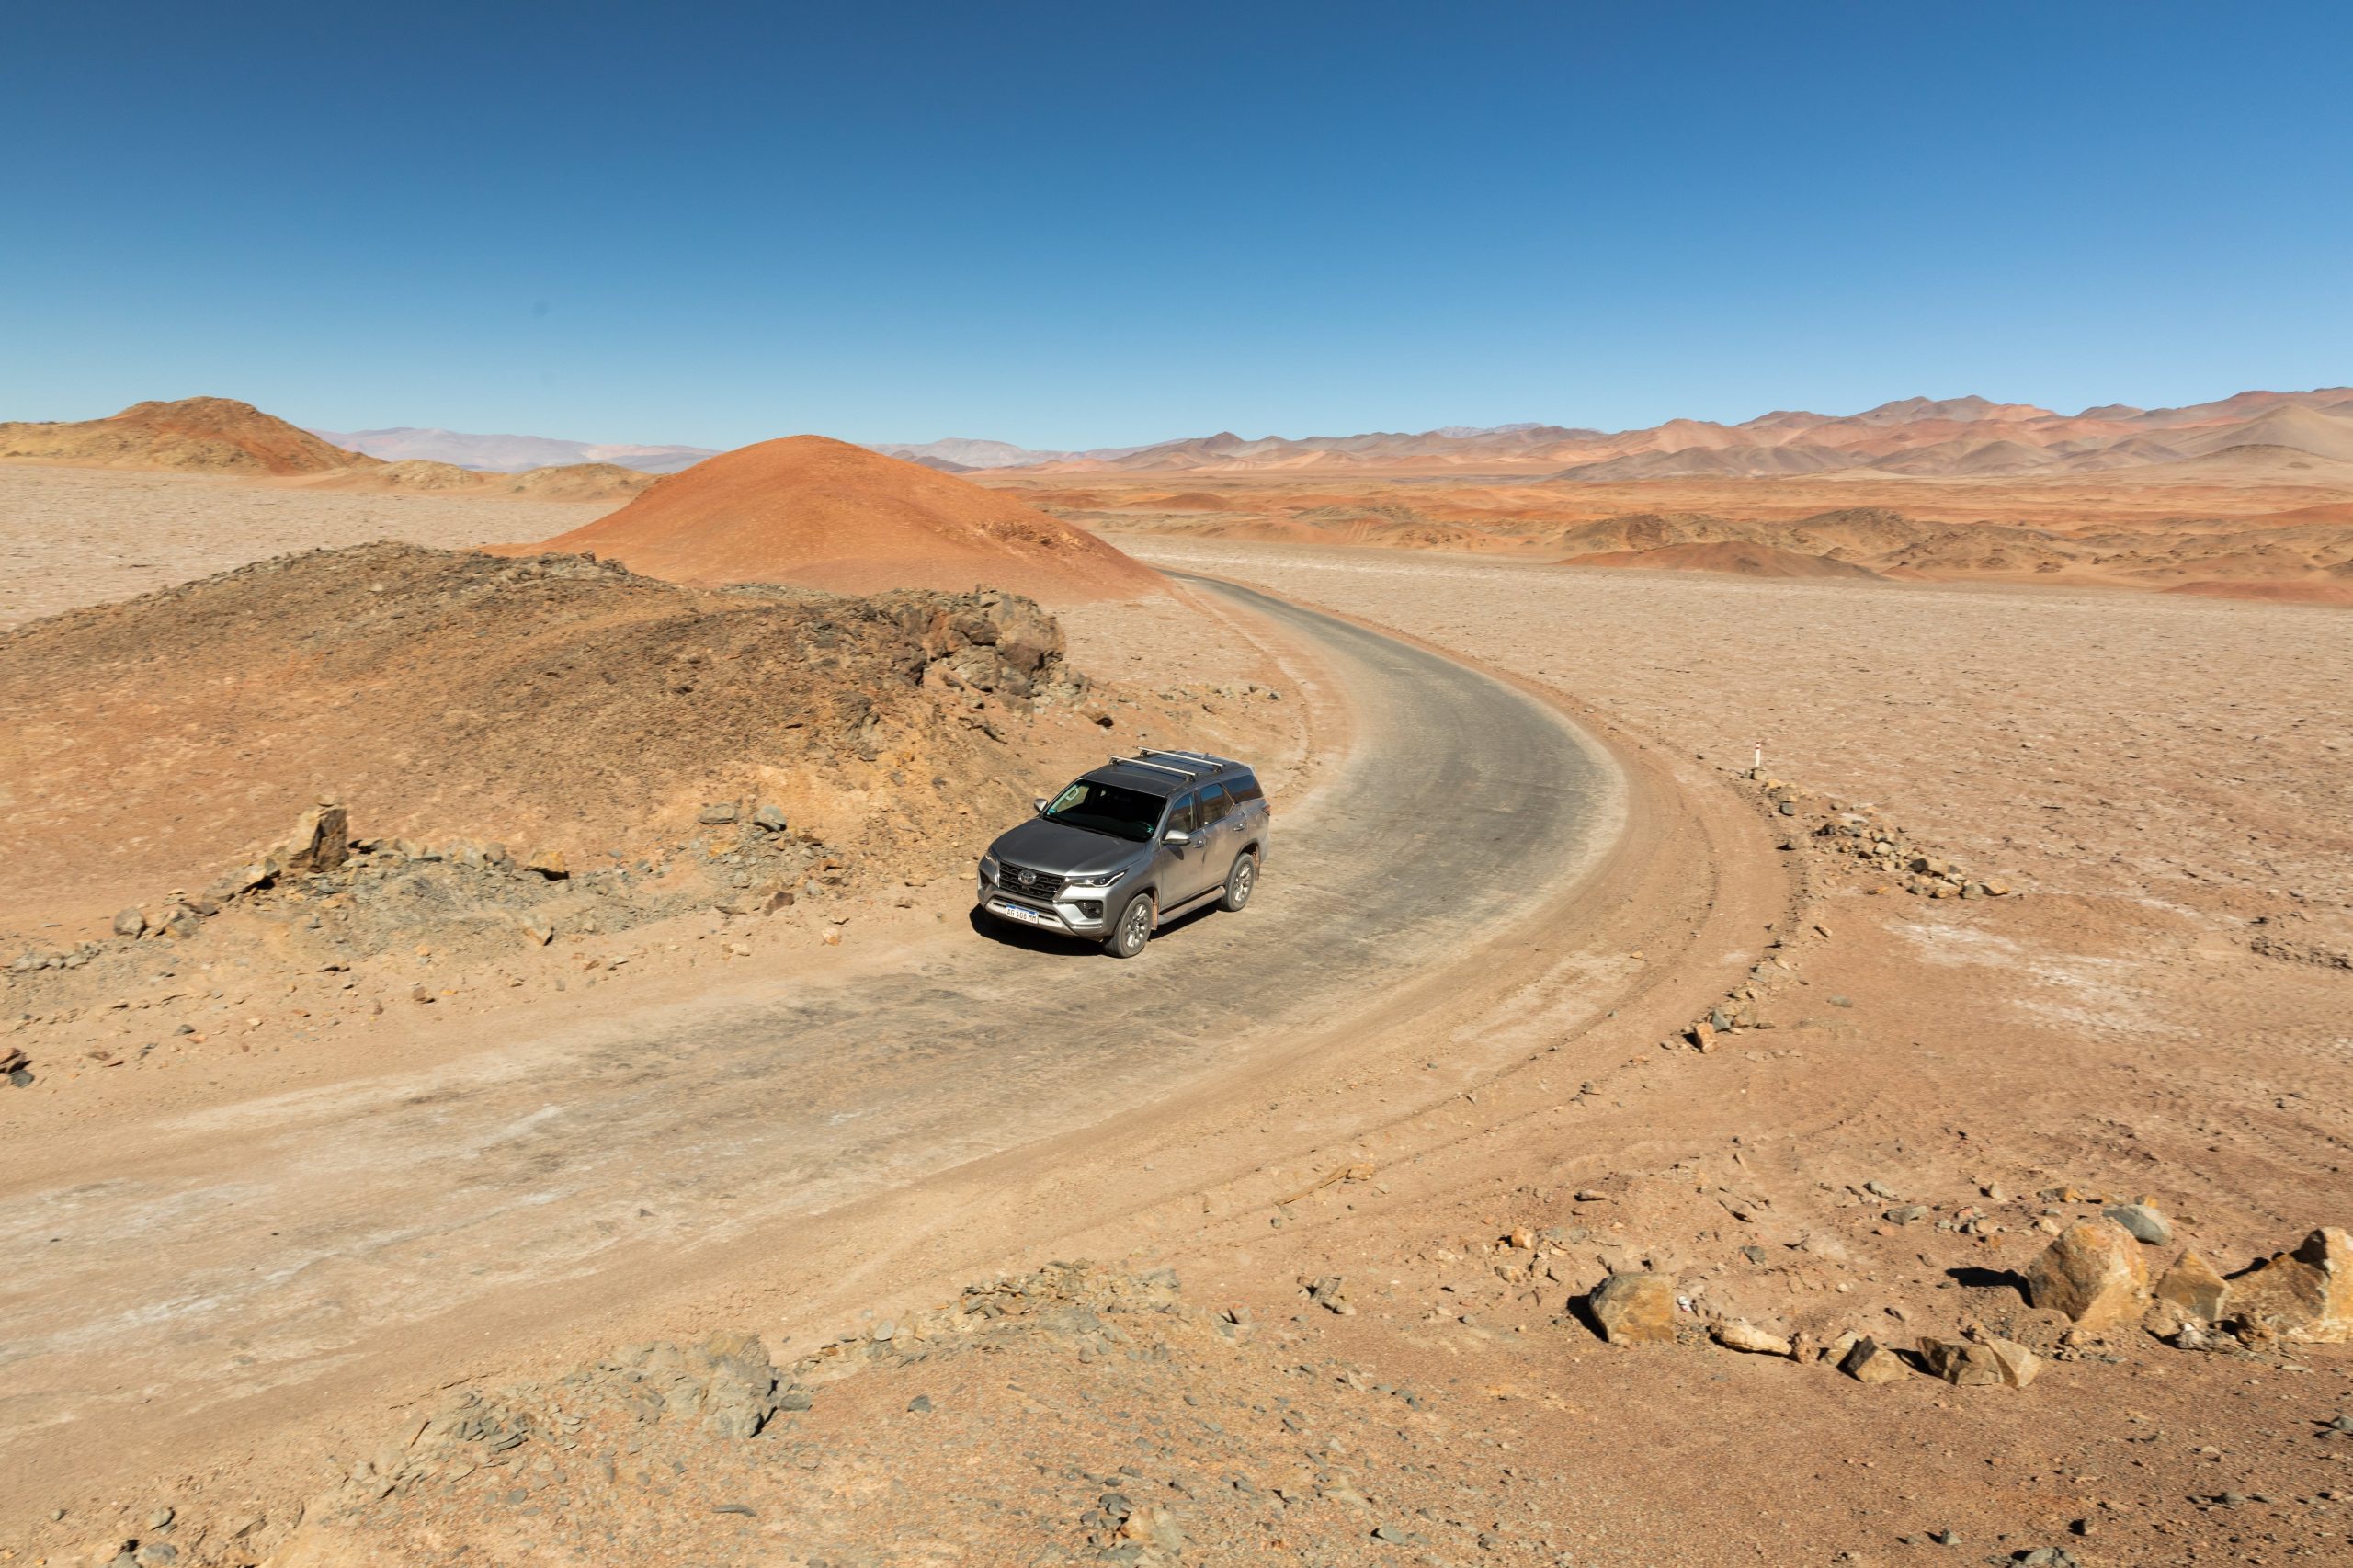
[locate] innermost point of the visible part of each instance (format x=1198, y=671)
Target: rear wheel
x=1241, y=882
x=1132, y=929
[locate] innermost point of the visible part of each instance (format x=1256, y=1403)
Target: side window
x=1183, y=817
x=1246, y=790
x=1214, y=805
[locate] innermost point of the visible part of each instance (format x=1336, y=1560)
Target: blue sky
x=1079, y=225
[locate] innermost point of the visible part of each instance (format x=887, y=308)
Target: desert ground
x=1489, y=1191
x=2280, y=531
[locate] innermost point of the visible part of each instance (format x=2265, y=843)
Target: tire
x=1241, y=882
x=1132, y=929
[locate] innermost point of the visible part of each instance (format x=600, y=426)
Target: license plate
x=1015, y=912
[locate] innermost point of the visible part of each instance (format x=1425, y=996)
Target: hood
x=1064, y=850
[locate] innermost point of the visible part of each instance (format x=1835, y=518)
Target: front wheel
x=1132, y=929
x=1241, y=882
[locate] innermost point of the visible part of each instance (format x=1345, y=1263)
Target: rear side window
x=1184, y=817
x=1214, y=804
x=1246, y=790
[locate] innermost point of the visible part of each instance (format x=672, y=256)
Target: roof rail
x=1155, y=767
x=1215, y=765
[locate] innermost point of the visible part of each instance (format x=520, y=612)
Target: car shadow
x=1028, y=939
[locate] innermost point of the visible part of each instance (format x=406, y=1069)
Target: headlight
x=988, y=868
x=1092, y=884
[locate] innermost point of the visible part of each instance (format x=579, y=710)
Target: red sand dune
x=824, y=513
x=1739, y=557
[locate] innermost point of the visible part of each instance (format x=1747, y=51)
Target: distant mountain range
x=509, y=454
x=1953, y=438
x=1966, y=437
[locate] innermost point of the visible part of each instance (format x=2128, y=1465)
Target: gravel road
x=233, y=1266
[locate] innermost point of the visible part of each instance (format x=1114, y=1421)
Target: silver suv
x=1134, y=843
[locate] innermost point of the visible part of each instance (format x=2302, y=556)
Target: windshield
x=1106, y=808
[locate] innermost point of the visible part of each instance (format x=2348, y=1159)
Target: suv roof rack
x=1184, y=765
x=1215, y=764
x=1118, y=761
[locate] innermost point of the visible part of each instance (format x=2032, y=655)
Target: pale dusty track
x=202, y=1277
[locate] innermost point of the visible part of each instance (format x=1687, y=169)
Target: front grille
x=1030, y=884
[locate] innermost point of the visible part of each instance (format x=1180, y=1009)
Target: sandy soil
x=2107, y=499
x=2269, y=535
x=2157, y=1012
x=2189, y=753
x=77, y=536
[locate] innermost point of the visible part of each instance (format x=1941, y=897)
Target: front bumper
x=1076, y=916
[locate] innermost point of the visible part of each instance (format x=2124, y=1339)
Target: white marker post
x=1756, y=766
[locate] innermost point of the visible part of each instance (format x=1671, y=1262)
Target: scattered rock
x=2144, y=1223
x=1956, y=1362
x=549, y=863
x=1992, y=1363
x=130, y=923
x=1868, y=1361
x=2019, y=1365
x=770, y=818
x=717, y=814
x=2193, y=1285
x=2094, y=1273
x=321, y=840
x=240, y=879
x=1754, y=1341
x=1634, y=1309
x=2305, y=1296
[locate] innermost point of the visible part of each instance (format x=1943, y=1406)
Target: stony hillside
x=210, y=434
x=552, y=701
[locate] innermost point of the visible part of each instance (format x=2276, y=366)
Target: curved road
x=261, y=1245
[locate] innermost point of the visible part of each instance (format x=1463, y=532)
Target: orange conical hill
x=810, y=510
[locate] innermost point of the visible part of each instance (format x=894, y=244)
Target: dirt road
x=197, y=1276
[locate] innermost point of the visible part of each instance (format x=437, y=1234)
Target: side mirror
x=1038, y=805
x=1177, y=837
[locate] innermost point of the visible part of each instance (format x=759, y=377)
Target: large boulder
x=1634, y=1309
x=2305, y=1295
x=2093, y=1272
